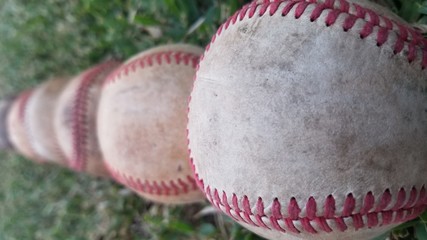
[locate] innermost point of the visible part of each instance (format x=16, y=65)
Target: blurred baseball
x=141, y=124
x=5, y=105
x=39, y=120
x=308, y=120
x=18, y=129
x=74, y=120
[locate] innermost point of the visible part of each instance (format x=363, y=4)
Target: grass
x=57, y=37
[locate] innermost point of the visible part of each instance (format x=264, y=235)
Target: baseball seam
x=79, y=131
x=166, y=188
x=171, y=187
x=373, y=212
x=159, y=58
x=409, y=41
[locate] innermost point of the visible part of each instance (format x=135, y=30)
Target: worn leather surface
x=288, y=108
x=63, y=122
x=141, y=123
x=5, y=105
x=40, y=115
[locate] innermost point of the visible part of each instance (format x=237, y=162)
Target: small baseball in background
x=5, y=105
x=39, y=114
x=141, y=124
x=75, y=119
x=17, y=127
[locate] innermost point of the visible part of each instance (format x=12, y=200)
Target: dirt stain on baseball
x=248, y=29
x=243, y=28
x=377, y=159
x=344, y=143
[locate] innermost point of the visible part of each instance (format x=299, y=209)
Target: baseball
x=39, y=112
x=17, y=127
x=308, y=120
x=141, y=124
x=5, y=105
x=74, y=120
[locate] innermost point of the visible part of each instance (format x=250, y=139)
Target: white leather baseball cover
x=39, y=117
x=75, y=120
x=308, y=120
x=142, y=122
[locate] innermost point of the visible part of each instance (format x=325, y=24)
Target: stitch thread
x=333, y=219
x=373, y=23
x=22, y=103
x=167, y=188
x=159, y=58
x=79, y=115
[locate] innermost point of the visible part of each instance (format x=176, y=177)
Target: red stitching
x=373, y=23
x=241, y=210
x=159, y=58
x=168, y=188
x=22, y=103
x=79, y=129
